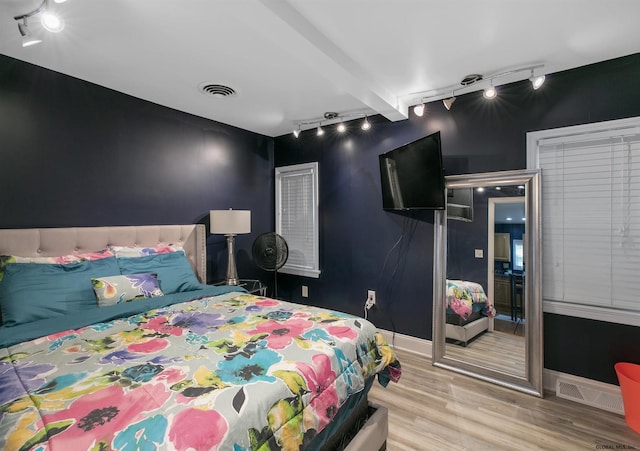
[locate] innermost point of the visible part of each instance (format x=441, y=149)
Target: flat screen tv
x=412, y=176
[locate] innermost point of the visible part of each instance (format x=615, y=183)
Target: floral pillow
x=125, y=288
x=61, y=259
x=134, y=251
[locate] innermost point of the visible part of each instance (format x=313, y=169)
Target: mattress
x=209, y=369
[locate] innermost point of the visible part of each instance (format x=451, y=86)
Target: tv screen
x=412, y=176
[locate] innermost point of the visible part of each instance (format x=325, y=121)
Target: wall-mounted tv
x=412, y=176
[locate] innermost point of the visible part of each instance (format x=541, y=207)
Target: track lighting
x=331, y=118
x=27, y=38
x=490, y=92
x=50, y=22
x=418, y=110
x=448, y=102
x=472, y=83
x=536, y=82
x=365, y=124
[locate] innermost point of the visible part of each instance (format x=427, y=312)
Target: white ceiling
x=291, y=61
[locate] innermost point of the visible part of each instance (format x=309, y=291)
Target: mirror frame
x=532, y=382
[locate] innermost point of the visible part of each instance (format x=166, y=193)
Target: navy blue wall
x=477, y=136
x=76, y=154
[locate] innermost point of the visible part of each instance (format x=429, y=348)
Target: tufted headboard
x=63, y=241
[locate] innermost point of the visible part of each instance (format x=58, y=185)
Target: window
x=590, y=219
x=297, y=217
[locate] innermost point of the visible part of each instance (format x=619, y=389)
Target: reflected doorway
x=507, y=221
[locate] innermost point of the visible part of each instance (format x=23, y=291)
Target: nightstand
x=253, y=286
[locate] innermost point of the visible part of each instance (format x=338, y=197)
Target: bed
x=468, y=311
x=146, y=356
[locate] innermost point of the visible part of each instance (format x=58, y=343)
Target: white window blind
x=591, y=218
x=297, y=217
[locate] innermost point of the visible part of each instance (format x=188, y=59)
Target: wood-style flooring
x=435, y=409
x=496, y=350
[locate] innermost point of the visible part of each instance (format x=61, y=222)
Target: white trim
x=534, y=138
x=422, y=347
x=314, y=273
x=312, y=269
x=628, y=317
x=416, y=345
x=577, y=133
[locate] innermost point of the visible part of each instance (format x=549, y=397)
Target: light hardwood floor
x=496, y=350
x=435, y=409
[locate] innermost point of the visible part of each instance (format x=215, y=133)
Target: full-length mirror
x=487, y=319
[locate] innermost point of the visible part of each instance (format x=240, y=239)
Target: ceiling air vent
x=219, y=91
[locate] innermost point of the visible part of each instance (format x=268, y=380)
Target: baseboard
x=567, y=386
x=416, y=345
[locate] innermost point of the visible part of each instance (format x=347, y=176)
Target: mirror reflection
x=485, y=322
x=487, y=306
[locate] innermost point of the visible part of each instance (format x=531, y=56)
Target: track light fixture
x=50, y=22
x=27, y=38
x=365, y=124
x=536, y=81
x=418, y=110
x=490, y=92
x=475, y=82
x=331, y=118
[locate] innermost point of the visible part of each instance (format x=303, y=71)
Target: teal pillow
x=174, y=271
x=132, y=287
x=31, y=292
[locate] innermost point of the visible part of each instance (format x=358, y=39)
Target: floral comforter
x=233, y=372
x=462, y=295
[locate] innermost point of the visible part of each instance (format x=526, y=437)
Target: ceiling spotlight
x=536, y=81
x=341, y=127
x=490, y=92
x=27, y=38
x=418, y=110
x=51, y=22
x=366, y=125
x=509, y=218
x=319, y=131
x=296, y=132
x=448, y=102
x=480, y=189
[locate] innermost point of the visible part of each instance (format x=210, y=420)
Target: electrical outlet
x=371, y=299
x=305, y=291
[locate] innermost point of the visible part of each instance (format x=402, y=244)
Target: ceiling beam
x=307, y=44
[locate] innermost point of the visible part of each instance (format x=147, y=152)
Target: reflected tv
x=412, y=176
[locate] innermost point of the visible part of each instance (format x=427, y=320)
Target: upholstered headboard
x=63, y=241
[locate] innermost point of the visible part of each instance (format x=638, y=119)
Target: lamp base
x=232, y=272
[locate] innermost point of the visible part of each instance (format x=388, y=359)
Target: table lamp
x=230, y=223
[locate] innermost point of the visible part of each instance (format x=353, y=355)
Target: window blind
x=297, y=217
x=591, y=218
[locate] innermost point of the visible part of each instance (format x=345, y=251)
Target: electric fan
x=270, y=252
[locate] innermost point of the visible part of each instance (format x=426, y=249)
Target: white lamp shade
x=230, y=222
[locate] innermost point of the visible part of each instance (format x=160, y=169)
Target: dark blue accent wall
x=357, y=236
x=76, y=154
